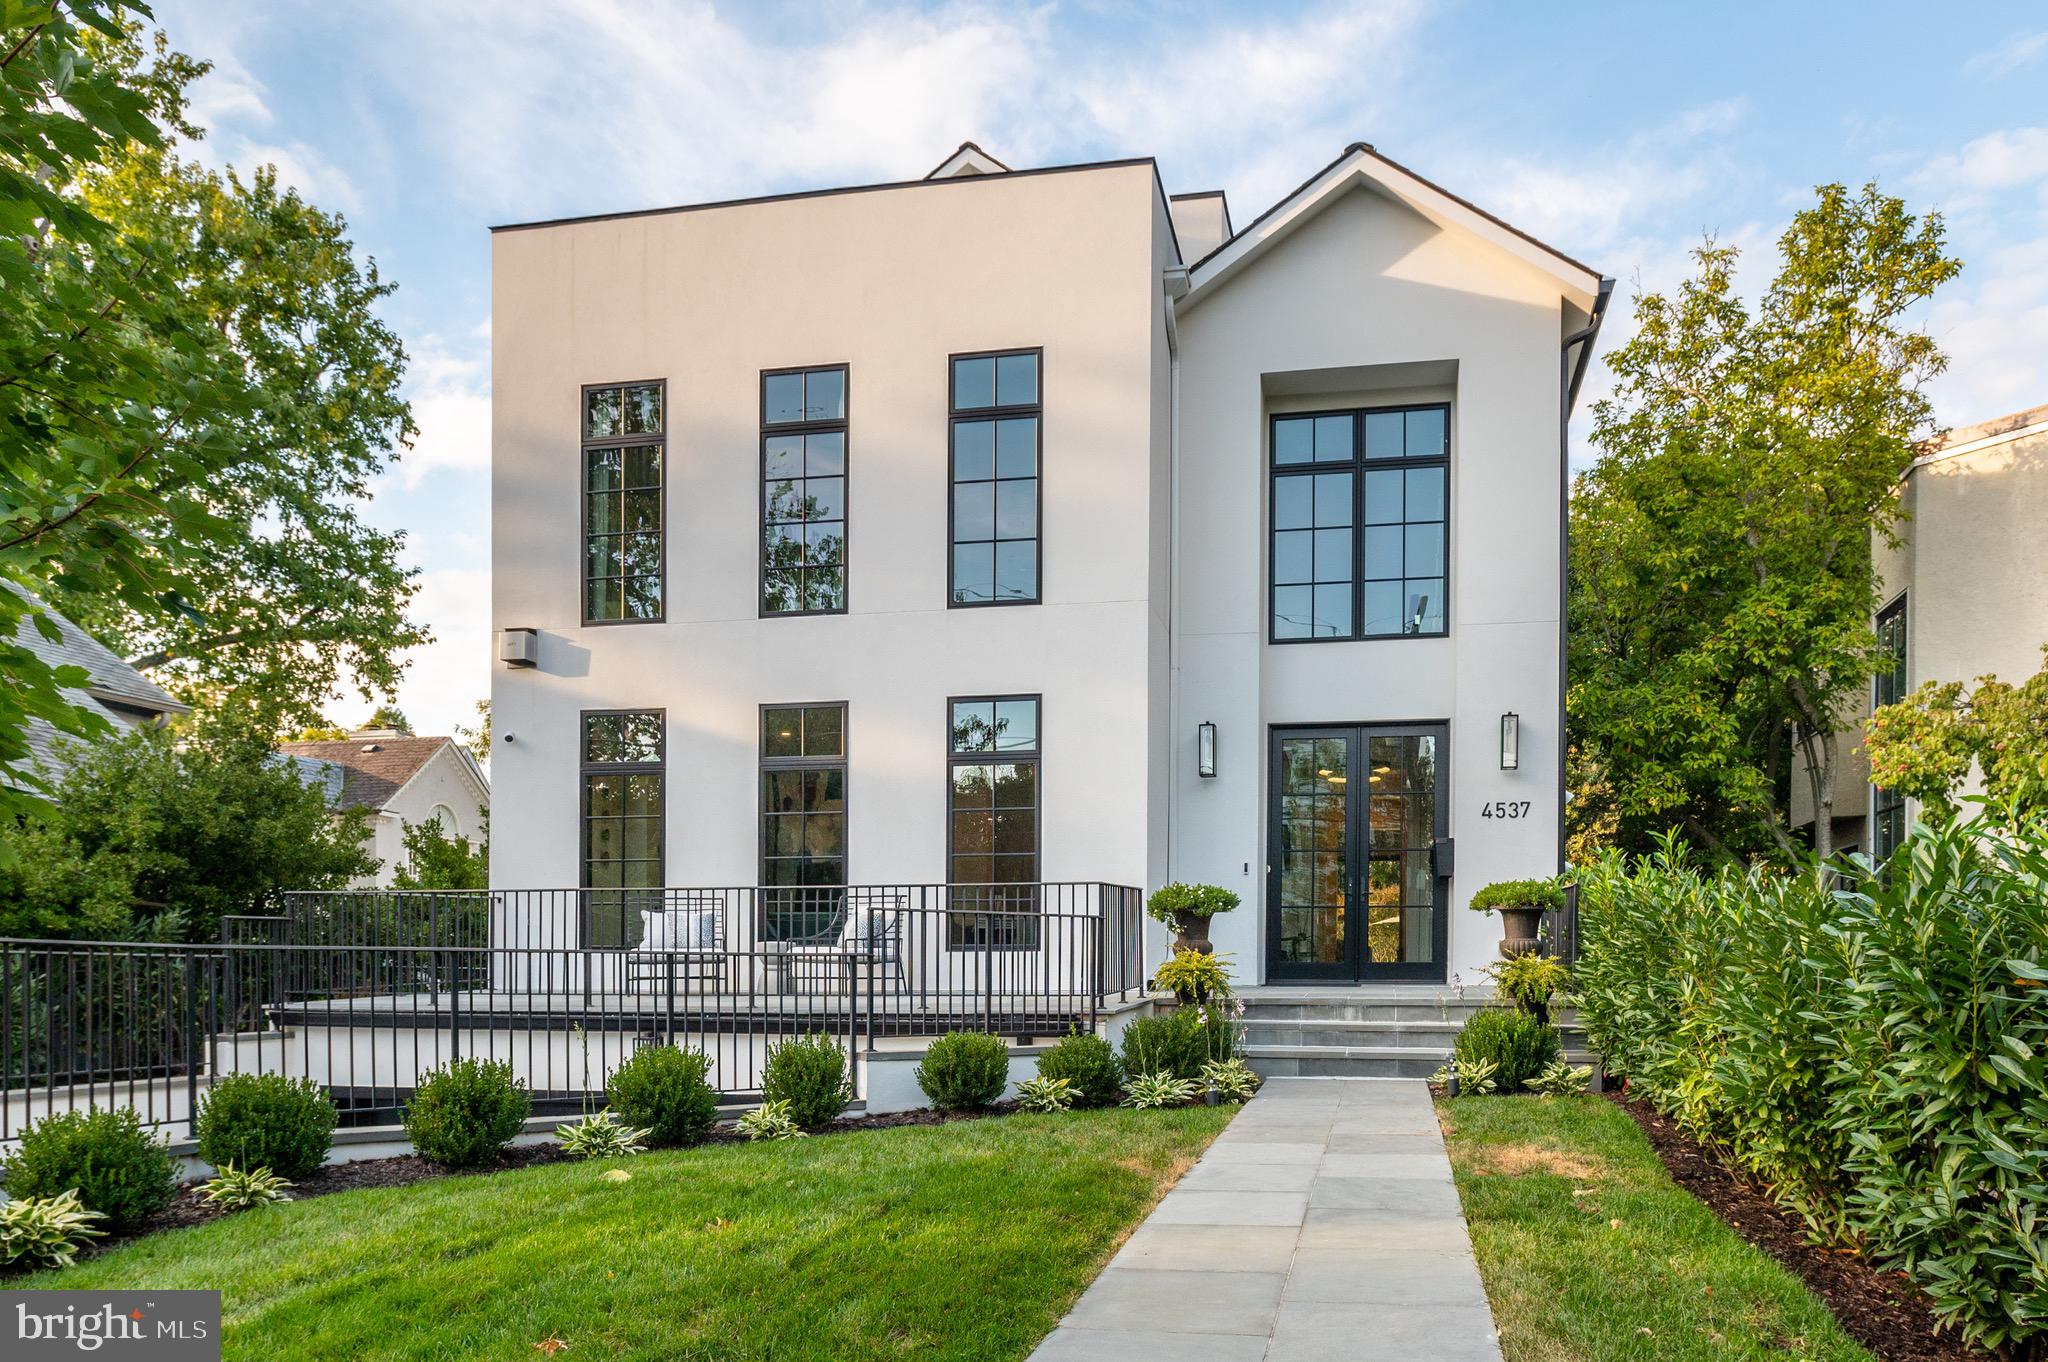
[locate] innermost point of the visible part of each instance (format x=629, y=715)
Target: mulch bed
x=1883, y=1311
x=190, y=1206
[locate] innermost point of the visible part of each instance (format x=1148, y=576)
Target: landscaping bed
x=1591, y=1252
x=1883, y=1311
x=964, y=1239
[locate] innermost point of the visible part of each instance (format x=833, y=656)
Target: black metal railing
x=364, y=992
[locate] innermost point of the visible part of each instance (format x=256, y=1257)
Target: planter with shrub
x=117, y=1168
x=1522, y=904
x=1187, y=909
x=256, y=1121
x=1529, y=981
x=1089, y=1063
x=462, y=1115
x=965, y=1070
x=665, y=1092
x=808, y=1073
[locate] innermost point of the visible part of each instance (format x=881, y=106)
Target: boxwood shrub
x=118, y=1168
x=1519, y=1044
x=269, y=1121
x=1088, y=1062
x=664, y=1091
x=964, y=1070
x=1179, y=1042
x=464, y=1114
x=809, y=1073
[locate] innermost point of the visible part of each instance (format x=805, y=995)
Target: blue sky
x=1617, y=132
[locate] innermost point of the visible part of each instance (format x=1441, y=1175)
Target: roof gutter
x=1571, y=373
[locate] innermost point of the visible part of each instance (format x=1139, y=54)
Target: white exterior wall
x=444, y=781
x=1366, y=284
x=889, y=283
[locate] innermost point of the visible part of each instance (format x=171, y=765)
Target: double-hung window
x=623, y=445
x=995, y=448
x=992, y=804
x=1360, y=519
x=1888, y=687
x=622, y=822
x=803, y=820
x=803, y=491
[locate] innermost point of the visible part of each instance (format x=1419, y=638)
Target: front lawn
x=967, y=1240
x=1590, y=1252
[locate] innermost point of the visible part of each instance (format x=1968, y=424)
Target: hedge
x=1873, y=1051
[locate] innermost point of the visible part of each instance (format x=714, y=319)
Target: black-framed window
x=624, y=443
x=1888, y=687
x=622, y=814
x=996, y=440
x=1360, y=521
x=803, y=820
x=992, y=807
x=803, y=491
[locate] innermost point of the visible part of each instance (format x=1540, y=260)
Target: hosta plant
x=771, y=1120
x=600, y=1135
x=235, y=1189
x=46, y=1231
x=1231, y=1077
x=1560, y=1079
x=1474, y=1077
x=1046, y=1094
x=1149, y=1091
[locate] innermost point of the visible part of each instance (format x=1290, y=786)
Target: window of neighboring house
x=445, y=817
x=803, y=820
x=623, y=447
x=803, y=491
x=1360, y=523
x=1888, y=687
x=992, y=807
x=996, y=443
x=622, y=822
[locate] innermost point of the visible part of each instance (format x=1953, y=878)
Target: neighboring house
x=1018, y=526
x=1965, y=594
x=402, y=780
x=116, y=691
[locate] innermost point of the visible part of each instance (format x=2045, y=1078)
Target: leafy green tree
x=156, y=838
x=1721, y=572
x=1927, y=744
x=478, y=739
x=195, y=393
x=389, y=716
x=434, y=860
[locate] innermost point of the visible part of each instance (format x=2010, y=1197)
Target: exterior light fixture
x=1205, y=750
x=1510, y=741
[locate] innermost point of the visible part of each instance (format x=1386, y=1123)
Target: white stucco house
x=1016, y=526
x=403, y=780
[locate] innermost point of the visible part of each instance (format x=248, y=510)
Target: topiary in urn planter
x=1187, y=909
x=1522, y=904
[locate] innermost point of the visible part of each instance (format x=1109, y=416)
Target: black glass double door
x=1352, y=891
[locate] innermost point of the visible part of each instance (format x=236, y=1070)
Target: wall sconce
x=1510, y=741
x=1205, y=750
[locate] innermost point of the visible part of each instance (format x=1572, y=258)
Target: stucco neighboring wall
x=444, y=782
x=1371, y=303
x=890, y=283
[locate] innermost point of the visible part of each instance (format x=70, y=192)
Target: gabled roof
x=375, y=767
x=1361, y=165
x=968, y=160
x=116, y=691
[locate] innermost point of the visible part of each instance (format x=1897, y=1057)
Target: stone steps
x=1329, y=1034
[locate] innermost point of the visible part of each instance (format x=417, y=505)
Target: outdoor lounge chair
x=872, y=935
x=684, y=941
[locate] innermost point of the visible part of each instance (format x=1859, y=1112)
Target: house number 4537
x=1505, y=808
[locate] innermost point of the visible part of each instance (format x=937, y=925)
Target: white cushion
x=654, y=930
x=699, y=928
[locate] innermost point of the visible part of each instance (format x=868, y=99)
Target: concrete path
x=1321, y=1224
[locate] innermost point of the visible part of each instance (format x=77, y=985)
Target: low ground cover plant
x=1150, y=1091
x=600, y=1135
x=235, y=1190
x=964, y=1070
x=664, y=1092
x=464, y=1114
x=45, y=1231
x=1871, y=1050
x=809, y=1074
x=1231, y=1077
x=266, y=1121
x=774, y=1119
x=117, y=1168
x=1518, y=1044
x=1045, y=1094
x=1089, y=1063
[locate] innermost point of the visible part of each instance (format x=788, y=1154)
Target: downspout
x=1173, y=287
x=1570, y=375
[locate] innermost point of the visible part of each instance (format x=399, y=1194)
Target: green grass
x=1544, y=1183
x=967, y=1240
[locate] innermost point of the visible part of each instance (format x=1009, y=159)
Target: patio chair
x=872, y=935
x=683, y=940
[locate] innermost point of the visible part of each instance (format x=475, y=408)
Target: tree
x=195, y=393
x=1721, y=572
x=1927, y=744
x=478, y=739
x=156, y=838
x=434, y=860
x=389, y=716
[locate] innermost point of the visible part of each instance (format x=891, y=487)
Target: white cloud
x=2020, y=50
x=451, y=403
x=2001, y=160
x=446, y=678
x=228, y=94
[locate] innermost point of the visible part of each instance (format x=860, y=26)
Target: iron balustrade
x=365, y=992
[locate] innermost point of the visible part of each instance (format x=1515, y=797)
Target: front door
x=1352, y=890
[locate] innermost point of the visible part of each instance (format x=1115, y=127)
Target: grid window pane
x=602, y=413
x=803, y=820
x=783, y=398
x=804, y=492
x=622, y=495
x=1016, y=570
x=974, y=449
x=623, y=816
x=643, y=409
x=992, y=821
x=1293, y=440
x=1017, y=381
x=974, y=382
x=995, y=466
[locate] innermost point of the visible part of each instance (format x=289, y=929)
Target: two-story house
x=1017, y=526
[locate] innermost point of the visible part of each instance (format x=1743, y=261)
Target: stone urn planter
x=1187, y=909
x=1522, y=904
x=1192, y=931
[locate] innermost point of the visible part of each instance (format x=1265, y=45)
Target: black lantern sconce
x=1510, y=741
x=1205, y=750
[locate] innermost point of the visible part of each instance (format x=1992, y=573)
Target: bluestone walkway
x=1321, y=1224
